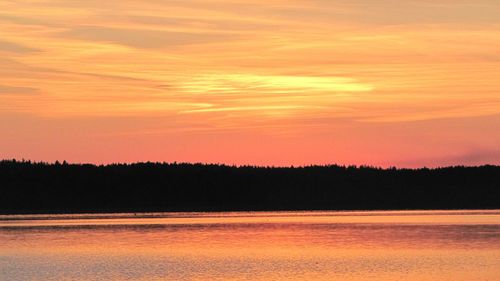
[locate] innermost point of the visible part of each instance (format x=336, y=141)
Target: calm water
x=416, y=245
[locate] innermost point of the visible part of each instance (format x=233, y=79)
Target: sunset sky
x=389, y=82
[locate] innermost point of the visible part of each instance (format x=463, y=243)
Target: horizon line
x=362, y=166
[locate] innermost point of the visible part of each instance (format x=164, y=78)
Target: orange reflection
x=414, y=245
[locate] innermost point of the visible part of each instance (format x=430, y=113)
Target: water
x=403, y=245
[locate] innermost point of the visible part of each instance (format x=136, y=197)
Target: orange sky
x=406, y=83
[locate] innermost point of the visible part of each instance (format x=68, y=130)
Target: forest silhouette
x=28, y=187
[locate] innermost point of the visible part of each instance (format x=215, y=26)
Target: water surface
x=393, y=245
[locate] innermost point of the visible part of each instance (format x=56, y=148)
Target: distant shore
x=160, y=214
x=31, y=188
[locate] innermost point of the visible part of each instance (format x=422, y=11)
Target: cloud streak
x=13, y=47
x=143, y=38
x=17, y=90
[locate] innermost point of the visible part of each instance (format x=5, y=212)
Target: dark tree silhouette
x=27, y=187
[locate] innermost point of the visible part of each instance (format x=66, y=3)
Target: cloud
x=471, y=157
x=144, y=38
x=17, y=90
x=478, y=157
x=233, y=24
x=21, y=20
x=14, y=47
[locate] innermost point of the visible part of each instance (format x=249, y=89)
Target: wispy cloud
x=144, y=38
x=14, y=47
x=17, y=90
x=471, y=157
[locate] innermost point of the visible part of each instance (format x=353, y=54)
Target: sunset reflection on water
x=410, y=245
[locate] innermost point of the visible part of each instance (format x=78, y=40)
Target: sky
x=401, y=83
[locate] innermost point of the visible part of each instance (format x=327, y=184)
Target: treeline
x=27, y=187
